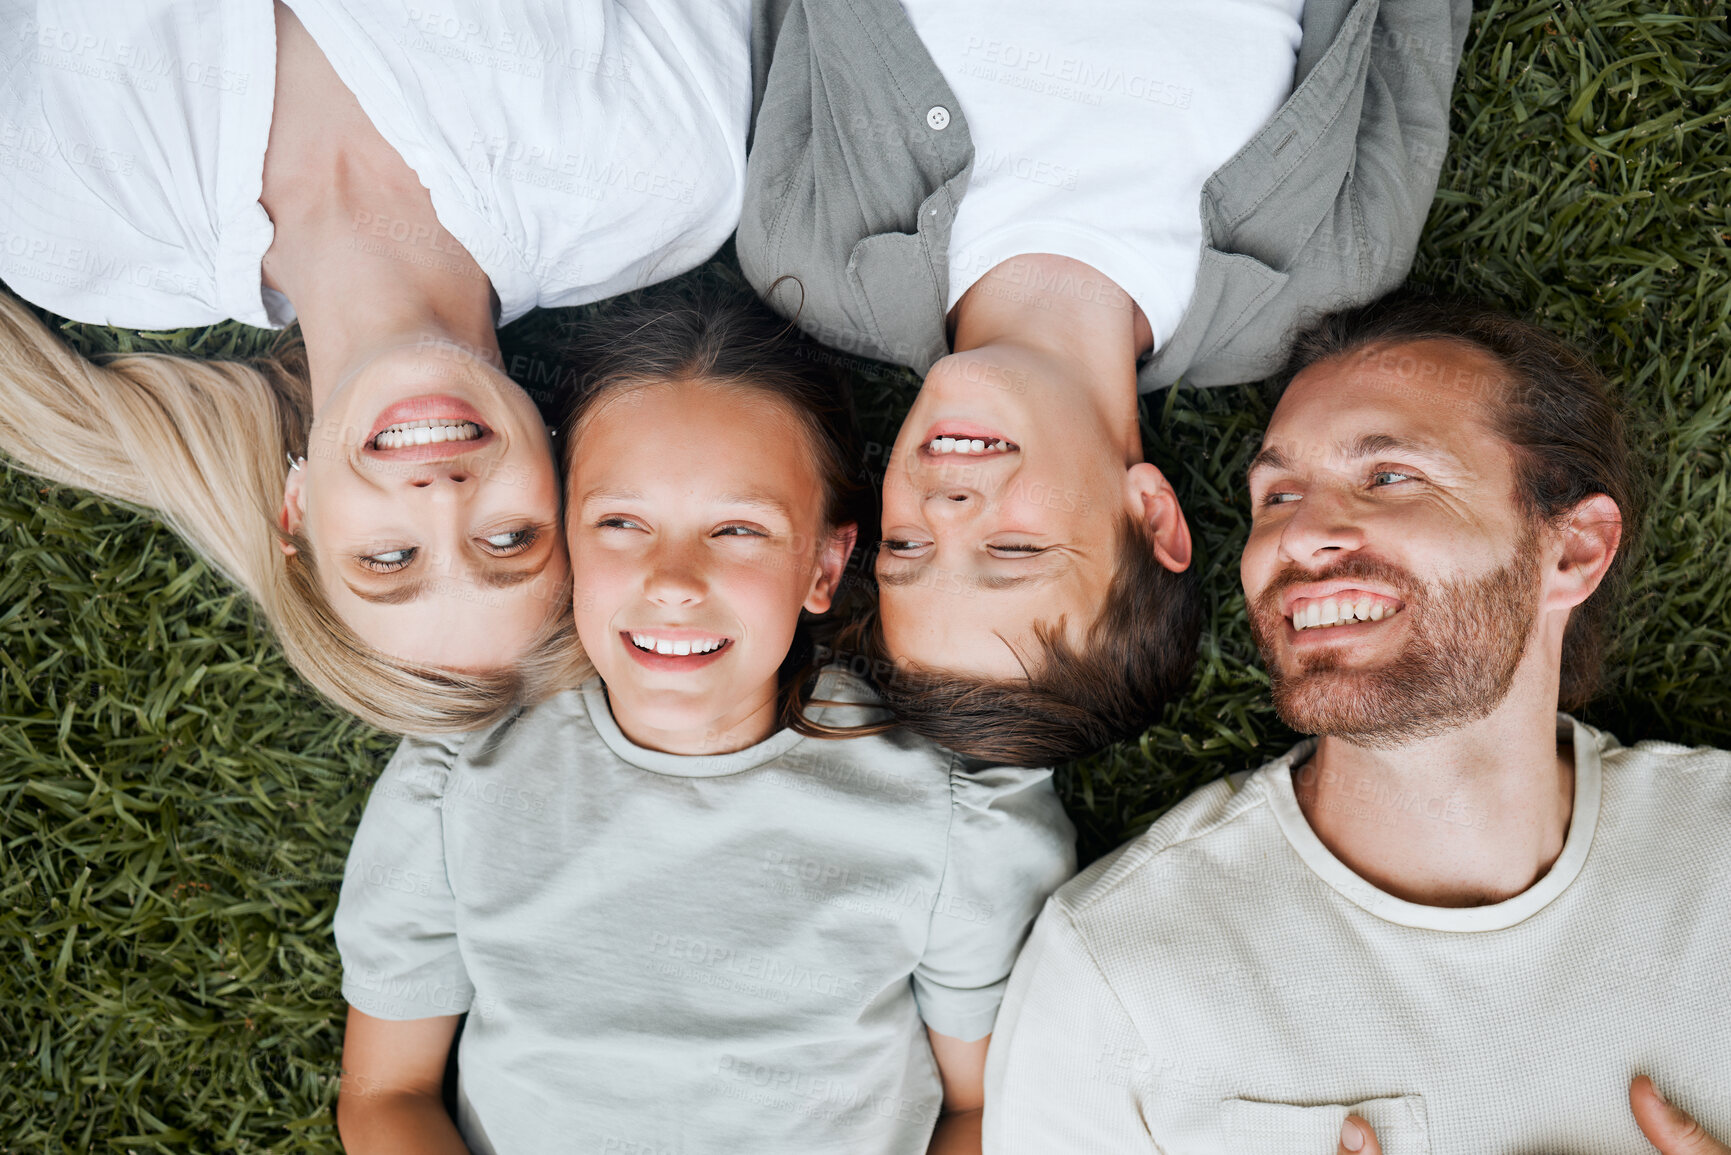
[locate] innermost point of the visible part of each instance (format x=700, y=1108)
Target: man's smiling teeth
x=967, y=445
x=681, y=648
x=428, y=432
x=1340, y=611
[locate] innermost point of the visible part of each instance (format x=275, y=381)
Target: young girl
x=705, y=903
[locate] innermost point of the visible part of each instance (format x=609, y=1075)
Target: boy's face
x=982, y=543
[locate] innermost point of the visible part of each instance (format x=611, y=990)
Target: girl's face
x=696, y=525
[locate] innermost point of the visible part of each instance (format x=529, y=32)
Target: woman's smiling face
x=696, y=526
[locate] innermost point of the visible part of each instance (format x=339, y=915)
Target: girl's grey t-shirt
x=668, y=954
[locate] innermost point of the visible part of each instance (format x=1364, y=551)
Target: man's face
x=1000, y=509
x=1391, y=579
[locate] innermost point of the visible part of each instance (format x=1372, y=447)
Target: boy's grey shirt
x=852, y=186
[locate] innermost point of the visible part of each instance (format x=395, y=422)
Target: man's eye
x=390, y=561
x=739, y=531
x=1381, y=473
x=512, y=541
x=1279, y=498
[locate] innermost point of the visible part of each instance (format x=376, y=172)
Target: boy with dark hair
x=1047, y=210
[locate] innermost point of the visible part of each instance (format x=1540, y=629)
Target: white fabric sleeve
x=1067, y=1068
x=1010, y=846
x=396, y=923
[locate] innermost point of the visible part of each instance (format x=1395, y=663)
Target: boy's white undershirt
x=1096, y=125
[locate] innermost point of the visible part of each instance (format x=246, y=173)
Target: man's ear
x=831, y=564
x=293, y=514
x=1590, y=535
x=1151, y=500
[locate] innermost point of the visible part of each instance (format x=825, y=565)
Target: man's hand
x=1666, y=1127
x=1669, y=1129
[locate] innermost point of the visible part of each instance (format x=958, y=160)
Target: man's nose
x=1324, y=524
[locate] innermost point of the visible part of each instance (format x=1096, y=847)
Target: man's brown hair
x=1136, y=656
x=1555, y=410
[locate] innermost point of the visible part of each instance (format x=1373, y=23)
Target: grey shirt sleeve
x=1010, y=847
x=396, y=918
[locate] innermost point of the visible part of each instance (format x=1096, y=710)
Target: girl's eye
x=389, y=561
x=512, y=541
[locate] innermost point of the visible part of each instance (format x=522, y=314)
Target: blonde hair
x=204, y=444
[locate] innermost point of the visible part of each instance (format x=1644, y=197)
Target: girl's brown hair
x=723, y=335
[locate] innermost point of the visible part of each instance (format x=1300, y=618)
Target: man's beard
x=1464, y=644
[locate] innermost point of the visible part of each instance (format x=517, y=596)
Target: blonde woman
x=398, y=182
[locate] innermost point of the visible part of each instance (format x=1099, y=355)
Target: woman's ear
x=831, y=565
x=293, y=514
x=1151, y=500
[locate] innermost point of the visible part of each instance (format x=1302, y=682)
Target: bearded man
x=1456, y=919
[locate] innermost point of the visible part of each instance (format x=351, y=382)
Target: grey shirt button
x=938, y=117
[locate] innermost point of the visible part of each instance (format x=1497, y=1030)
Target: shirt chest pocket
x=1254, y=1127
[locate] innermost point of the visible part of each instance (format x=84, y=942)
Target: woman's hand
x=1668, y=1128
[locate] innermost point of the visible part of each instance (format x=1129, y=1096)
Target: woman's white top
x=576, y=149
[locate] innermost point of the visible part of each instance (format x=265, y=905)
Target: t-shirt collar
x=680, y=765
x=1583, y=821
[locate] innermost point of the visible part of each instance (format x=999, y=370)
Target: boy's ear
x=831, y=564
x=293, y=514
x=1151, y=500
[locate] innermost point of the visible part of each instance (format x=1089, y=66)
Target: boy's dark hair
x=724, y=335
x=1136, y=656
x=1554, y=408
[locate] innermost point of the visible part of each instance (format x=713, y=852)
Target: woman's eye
x=1015, y=550
x=389, y=561
x=1279, y=498
x=511, y=541
x=616, y=523
x=902, y=548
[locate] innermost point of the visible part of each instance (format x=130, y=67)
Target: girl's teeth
x=684, y=648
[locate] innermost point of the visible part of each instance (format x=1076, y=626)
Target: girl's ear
x=831, y=564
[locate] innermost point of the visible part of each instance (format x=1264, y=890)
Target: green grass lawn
x=175, y=806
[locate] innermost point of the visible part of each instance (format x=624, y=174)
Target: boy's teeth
x=428, y=432
x=968, y=445
x=1341, y=611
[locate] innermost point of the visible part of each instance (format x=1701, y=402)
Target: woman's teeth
x=1342, y=611
x=968, y=445
x=429, y=432
x=655, y=645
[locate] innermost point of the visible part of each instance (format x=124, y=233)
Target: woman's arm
x=962, y=1067
x=393, y=1074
